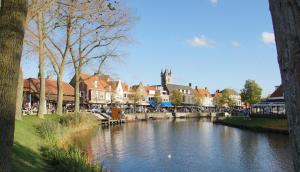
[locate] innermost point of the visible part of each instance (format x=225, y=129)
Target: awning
x=153, y=104
x=166, y=104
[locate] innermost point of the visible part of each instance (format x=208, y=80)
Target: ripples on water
x=193, y=145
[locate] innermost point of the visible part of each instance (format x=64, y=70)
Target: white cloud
x=268, y=38
x=214, y=2
x=235, y=44
x=201, y=41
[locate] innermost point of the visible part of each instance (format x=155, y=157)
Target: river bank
x=36, y=141
x=279, y=126
x=144, y=116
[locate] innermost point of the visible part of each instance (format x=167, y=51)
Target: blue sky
x=210, y=43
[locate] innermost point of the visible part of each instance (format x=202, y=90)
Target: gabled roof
x=90, y=80
x=114, y=85
x=202, y=91
x=278, y=92
x=125, y=87
x=33, y=85
x=172, y=87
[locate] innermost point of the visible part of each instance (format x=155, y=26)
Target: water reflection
x=194, y=145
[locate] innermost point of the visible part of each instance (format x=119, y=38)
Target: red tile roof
x=89, y=80
x=202, y=91
x=114, y=84
x=278, y=92
x=33, y=85
x=125, y=87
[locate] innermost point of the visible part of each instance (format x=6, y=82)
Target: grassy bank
x=40, y=142
x=257, y=124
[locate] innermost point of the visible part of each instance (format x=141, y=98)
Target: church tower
x=166, y=77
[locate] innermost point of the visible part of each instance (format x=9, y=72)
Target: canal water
x=185, y=145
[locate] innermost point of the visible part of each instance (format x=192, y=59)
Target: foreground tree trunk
x=286, y=21
x=19, y=102
x=12, y=18
x=42, y=102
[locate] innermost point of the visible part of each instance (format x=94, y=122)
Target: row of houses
x=101, y=90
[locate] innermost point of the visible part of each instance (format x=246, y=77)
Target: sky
x=210, y=43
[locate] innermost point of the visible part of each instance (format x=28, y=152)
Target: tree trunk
x=77, y=92
x=12, y=17
x=19, y=102
x=42, y=102
x=60, y=93
x=286, y=21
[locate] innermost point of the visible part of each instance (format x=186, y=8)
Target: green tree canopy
x=157, y=98
x=251, y=93
x=226, y=97
x=176, y=97
x=136, y=96
x=217, y=100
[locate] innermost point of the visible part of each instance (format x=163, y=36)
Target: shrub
x=67, y=160
x=76, y=119
x=48, y=129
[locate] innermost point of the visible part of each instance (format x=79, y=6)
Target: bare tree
x=96, y=28
x=286, y=21
x=37, y=28
x=19, y=98
x=56, y=44
x=12, y=17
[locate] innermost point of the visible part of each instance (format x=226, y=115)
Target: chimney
x=196, y=87
x=205, y=88
x=190, y=84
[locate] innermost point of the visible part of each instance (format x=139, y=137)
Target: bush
x=67, y=160
x=48, y=129
x=76, y=119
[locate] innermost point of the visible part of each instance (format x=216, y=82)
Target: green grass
x=26, y=155
x=33, y=133
x=268, y=123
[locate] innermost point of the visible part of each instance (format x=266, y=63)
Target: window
x=95, y=84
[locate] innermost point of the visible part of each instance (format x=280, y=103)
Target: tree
x=37, y=27
x=176, y=97
x=286, y=17
x=19, y=98
x=217, y=100
x=251, y=93
x=226, y=97
x=12, y=17
x=56, y=44
x=135, y=97
x=157, y=99
x=198, y=97
x=97, y=26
